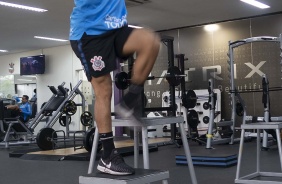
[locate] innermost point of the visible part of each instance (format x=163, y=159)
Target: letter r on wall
x=216, y=69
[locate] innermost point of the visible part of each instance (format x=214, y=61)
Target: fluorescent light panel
x=24, y=80
x=211, y=27
x=53, y=39
x=256, y=4
x=30, y=76
x=3, y=51
x=22, y=7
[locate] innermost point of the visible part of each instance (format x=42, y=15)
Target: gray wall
x=206, y=50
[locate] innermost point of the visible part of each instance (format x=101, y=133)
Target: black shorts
x=99, y=54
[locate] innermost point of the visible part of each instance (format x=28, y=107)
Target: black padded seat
x=19, y=127
x=55, y=103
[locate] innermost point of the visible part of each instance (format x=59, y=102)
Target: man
x=99, y=35
x=35, y=94
x=24, y=109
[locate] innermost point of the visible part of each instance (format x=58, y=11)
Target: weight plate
x=88, y=140
x=121, y=80
x=189, y=99
x=86, y=118
x=43, y=138
x=192, y=118
x=70, y=108
x=206, y=105
x=206, y=119
x=172, y=78
x=62, y=120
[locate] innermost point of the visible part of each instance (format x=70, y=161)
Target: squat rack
x=230, y=61
x=250, y=178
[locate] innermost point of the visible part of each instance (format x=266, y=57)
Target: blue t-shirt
x=26, y=110
x=95, y=17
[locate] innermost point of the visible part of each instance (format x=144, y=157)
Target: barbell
x=173, y=77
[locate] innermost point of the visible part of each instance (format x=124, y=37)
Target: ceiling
x=18, y=27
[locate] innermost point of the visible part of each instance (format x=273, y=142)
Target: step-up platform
x=216, y=161
x=145, y=175
x=224, y=155
x=259, y=176
x=140, y=176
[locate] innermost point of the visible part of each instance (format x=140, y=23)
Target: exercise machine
x=218, y=132
x=16, y=132
x=47, y=137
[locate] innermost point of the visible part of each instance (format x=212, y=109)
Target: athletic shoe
x=124, y=112
x=114, y=165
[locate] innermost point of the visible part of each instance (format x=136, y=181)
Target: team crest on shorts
x=97, y=63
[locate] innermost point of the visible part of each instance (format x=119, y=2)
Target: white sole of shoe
x=108, y=171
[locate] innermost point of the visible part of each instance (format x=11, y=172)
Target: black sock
x=132, y=95
x=107, y=140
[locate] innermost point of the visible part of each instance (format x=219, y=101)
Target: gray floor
x=20, y=171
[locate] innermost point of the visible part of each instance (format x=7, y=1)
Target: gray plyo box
x=255, y=177
x=141, y=176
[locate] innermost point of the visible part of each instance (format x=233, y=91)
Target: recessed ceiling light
x=3, y=51
x=53, y=39
x=211, y=27
x=256, y=4
x=22, y=7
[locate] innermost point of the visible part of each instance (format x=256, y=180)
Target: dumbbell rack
x=202, y=98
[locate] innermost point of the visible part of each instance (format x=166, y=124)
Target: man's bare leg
x=146, y=44
x=103, y=94
x=111, y=162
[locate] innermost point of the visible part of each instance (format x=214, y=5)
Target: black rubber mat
x=216, y=161
x=42, y=157
x=21, y=152
x=224, y=155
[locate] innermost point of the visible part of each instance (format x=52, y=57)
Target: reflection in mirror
x=25, y=85
x=7, y=86
x=12, y=86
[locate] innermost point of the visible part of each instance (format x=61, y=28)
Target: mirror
x=17, y=85
x=7, y=86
